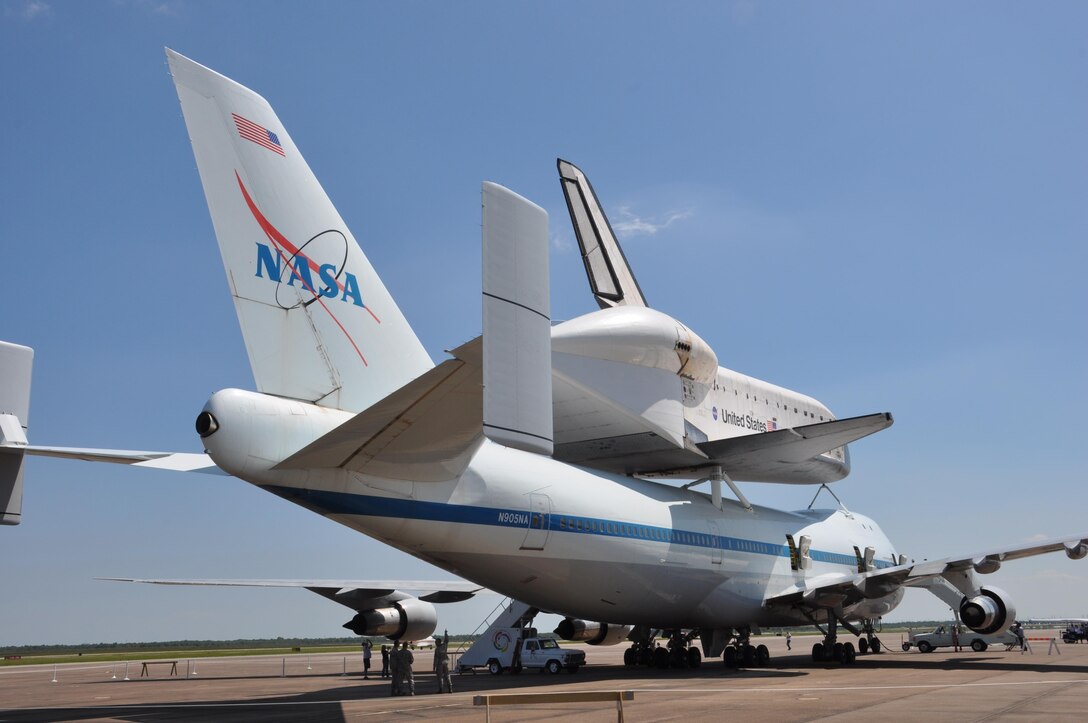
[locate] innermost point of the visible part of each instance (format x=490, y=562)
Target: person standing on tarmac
x=385, y=661
x=394, y=668
x=442, y=663
x=408, y=678
x=789, y=640
x=367, y=652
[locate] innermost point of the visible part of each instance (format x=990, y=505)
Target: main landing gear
x=678, y=652
x=831, y=650
x=742, y=654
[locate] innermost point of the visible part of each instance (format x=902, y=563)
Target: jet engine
x=990, y=612
x=411, y=619
x=592, y=633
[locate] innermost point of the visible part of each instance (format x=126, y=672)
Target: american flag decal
x=257, y=133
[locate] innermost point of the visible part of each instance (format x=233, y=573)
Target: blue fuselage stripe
x=342, y=503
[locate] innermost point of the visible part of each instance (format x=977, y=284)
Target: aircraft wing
x=357, y=594
x=839, y=589
x=175, y=461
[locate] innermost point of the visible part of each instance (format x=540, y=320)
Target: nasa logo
x=300, y=270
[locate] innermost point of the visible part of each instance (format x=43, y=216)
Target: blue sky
x=882, y=205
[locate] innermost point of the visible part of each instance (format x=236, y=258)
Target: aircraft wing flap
x=837, y=589
x=424, y=431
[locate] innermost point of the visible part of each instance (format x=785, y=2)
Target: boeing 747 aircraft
x=538, y=460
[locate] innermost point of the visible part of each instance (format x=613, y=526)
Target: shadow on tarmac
x=324, y=706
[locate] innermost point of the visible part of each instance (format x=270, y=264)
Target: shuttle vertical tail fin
x=610, y=275
x=15, y=366
x=318, y=323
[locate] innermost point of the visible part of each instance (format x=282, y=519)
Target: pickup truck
x=515, y=649
x=941, y=637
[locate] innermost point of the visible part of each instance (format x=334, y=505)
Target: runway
x=942, y=685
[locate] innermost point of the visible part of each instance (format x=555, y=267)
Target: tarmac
x=1046, y=684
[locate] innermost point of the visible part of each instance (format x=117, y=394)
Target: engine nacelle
x=592, y=633
x=1077, y=551
x=991, y=612
x=411, y=619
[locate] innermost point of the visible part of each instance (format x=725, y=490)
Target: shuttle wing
x=777, y=456
x=836, y=590
x=774, y=456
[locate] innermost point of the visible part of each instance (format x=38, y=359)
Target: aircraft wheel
x=925, y=647
x=977, y=645
x=837, y=652
x=494, y=667
x=817, y=652
x=730, y=656
x=906, y=647
x=661, y=658
x=749, y=656
x=863, y=646
x=646, y=657
x=874, y=645
x=552, y=666
x=763, y=656
x=848, y=654
x=695, y=658
x=629, y=657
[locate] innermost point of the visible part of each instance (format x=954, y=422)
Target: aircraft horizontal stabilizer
x=15, y=367
x=424, y=431
x=174, y=461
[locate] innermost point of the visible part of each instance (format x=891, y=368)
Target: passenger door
x=540, y=510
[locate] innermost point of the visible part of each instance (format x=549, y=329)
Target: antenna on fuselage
x=715, y=479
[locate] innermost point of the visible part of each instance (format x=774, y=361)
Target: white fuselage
x=560, y=537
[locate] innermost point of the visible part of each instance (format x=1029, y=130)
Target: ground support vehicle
x=517, y=649
x=941, y=637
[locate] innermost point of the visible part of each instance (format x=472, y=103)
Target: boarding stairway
x=516, y=614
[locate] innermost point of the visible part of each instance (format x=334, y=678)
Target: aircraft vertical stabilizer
x=319, y=325
x=610, y=275
x=15, y=366
x=517, y=363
